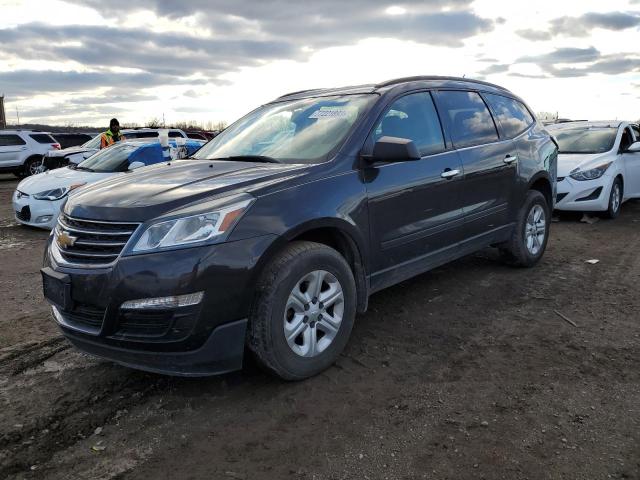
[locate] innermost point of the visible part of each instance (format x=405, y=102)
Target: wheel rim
x=35, y=166
x=615, y=197
x=313, y=313
x=535, y=230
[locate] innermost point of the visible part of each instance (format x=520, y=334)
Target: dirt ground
x=465, y=372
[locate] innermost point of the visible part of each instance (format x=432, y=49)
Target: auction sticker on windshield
x=330, y=112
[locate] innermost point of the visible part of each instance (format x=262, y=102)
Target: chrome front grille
x=91, y=242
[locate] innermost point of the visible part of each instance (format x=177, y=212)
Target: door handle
x=509, y=159
x=448, y=173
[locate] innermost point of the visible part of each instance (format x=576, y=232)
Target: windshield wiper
x=86, y=169
x=249, y=158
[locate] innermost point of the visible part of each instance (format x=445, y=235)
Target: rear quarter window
x=467, y=118
x=512, y=116
x=42, y=138
x=11, y=140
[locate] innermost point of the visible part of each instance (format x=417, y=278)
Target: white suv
x=22, y=151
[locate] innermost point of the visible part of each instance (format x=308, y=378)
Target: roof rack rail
x=437, y=77
x=298, y=91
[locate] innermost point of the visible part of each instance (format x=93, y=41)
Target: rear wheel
x=33, y=165
x=304, y=311
x=531, y=233
x=615, y=200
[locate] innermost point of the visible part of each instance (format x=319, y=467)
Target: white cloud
x=327, y=56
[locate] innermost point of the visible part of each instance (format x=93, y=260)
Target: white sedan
x=598, y=165
x=38, y=199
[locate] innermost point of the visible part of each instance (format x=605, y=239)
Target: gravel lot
x=465, y=372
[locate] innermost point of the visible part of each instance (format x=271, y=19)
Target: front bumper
x=583, y=196
x=222, y=352
x=36, y=213
x=202, y=339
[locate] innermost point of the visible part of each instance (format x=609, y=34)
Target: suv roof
x=18, y=130
x=430, y=80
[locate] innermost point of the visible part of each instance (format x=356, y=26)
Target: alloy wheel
x=535, y=229
x=615, y=197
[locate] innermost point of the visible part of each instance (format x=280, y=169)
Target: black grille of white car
x=91, y=242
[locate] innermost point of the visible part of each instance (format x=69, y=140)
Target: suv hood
x=149, y=192
x=567, y=162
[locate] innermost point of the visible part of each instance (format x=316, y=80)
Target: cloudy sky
x=84, y=61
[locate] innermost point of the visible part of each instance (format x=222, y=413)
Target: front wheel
x=615, y=200
x=531, y=233
x=303, y=312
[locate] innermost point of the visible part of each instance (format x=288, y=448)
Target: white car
x=37, y=199
x=75, y=155
x=22, y=151
x=598, y=165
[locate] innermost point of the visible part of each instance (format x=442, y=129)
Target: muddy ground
x=462, y=373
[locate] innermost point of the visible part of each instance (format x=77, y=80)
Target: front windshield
x=93, y=143
x=297, y=131
x=586, y=140
x=112, y=159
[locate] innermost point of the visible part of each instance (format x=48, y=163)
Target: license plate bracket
x=56, y=287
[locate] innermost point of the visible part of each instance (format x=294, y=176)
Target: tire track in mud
x=15, y=360
x=56, y=410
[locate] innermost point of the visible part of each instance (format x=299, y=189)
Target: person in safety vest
x=112, y=135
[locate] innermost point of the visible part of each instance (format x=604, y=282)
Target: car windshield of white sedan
x=112, y=159
x=93, y=143
x=586, y=140
x=298, y=131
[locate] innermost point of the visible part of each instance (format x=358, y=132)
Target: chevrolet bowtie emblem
x=65, y=240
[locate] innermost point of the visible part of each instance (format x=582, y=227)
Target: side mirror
x=634, y=147
x=394, y=149
x=135, y=165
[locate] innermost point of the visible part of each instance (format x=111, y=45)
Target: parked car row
x=27, y=152
x=37, y=199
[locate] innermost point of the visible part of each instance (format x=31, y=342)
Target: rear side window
x=174, y=134
x=467, y=118
x=42, y=138
x=636, y=132
x=414, y=117
x=11, y=140
x=513, y=117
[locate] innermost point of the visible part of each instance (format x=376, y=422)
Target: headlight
x=193, y=229
x=56, y=193
x=53, y=194
x=590, y=174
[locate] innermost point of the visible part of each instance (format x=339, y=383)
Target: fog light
x=44, y=219
x=164, y=302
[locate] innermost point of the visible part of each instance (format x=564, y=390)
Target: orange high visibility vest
x=107, y=139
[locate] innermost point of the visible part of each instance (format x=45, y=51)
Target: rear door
x=12, y=150
x=414, y=211
x=489, y=162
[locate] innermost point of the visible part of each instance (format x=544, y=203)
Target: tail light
x=56, y=146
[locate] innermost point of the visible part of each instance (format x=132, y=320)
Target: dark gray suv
x=277, y=231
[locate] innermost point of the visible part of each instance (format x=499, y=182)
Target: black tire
x=30, y=164
x=266, y=338
x=515, y=250
x=614, y=207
